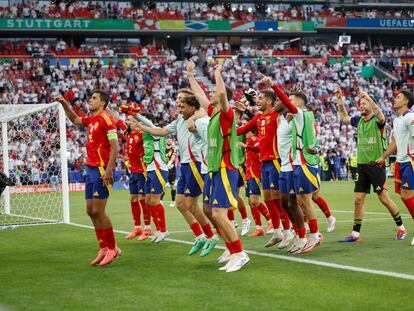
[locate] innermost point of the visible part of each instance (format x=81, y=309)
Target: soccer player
x=241, y=182
x=172, y=171
x=137, y=180
x=102, y=151
x=254, y=185
x=403, y=144
x=266, y=124
x=191, y=183
x=157, y=173
x=372, y=141
x=305, y=161
x=222, y=166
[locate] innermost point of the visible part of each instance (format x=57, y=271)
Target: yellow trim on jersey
x=102, y=172
x=101, y=161
x=227, y=187
x=144, y=166
x=106, y=118
x=277, y=165
x=412, y=165
x=161, y=179
x=310, y=176
x=243, y=175
x=275, y=147
x=258, y=181
x=197, y=175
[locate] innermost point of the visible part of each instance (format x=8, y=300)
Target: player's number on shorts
x=356, y=176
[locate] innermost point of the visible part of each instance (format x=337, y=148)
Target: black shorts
x=370, y=174
x=172, y=174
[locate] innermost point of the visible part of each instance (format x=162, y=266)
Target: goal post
x=34, y=155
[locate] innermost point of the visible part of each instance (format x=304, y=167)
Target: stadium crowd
x=189, y=11
x=152, y=83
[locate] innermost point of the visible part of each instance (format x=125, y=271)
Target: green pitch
x=47, y=267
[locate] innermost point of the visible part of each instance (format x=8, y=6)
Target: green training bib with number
x=372, y=141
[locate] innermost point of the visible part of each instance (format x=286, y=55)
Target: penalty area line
x=291, y=258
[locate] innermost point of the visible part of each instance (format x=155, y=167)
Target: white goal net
x=33, y=146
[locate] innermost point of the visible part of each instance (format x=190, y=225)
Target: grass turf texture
x=47, y=267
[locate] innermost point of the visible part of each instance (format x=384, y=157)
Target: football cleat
x=331, y=223
x=238, y=261
x=276, y=237
x=401, y=233
x=225, y=257
x=245, y=226
x=289, y=235
x=199, y=242
x=101, y=255
x=134, y=233
x=209, y=246
x=351, y=238
x=257, y=232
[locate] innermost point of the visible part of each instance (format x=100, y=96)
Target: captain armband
x=112, y=135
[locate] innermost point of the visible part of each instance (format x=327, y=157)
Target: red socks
x=242, y=208
x=264, y=211
x=208, y=231
x=313, y=225
x=283, y=214
x=230, y=214
x=108, y=233
x=274, y=213
x=323, y=206
x=155, y=218
x=410, y=205
x=136, y=213
x=229, y=247
x=161, y=217
x=146, y=212
x=256, y=216
x=196, y=228
x=236, y=246
x=100, y=237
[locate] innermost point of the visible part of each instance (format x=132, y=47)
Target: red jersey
x=253, y=164
x=134, y=149
x=266, y=125
x=226, y=121
x=97, y=147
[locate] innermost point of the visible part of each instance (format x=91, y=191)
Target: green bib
x=308, y=137
x=371, y=142
x=149, y=149
x=242, y=153
x=216, y=141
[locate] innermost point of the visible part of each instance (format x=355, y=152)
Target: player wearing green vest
x=305, y=161
x=241, y=182
x=222, y=165
x=157, y=173
x=372, y=141
x=190, y=184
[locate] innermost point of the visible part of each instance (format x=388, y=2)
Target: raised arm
x=249, y=126
x=343, y=114
x=73, y=117
x=282, y=96
x=146, y=126
x=221, y=89
x=377, y=110
x=195, y=87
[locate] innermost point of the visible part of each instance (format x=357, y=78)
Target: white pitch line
x=369, y=213
x=294, y=259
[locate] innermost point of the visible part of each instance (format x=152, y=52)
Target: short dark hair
x=409, y=96
x=103, y=95
x=301, y=95
x=192, y=101
x=270, y=95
